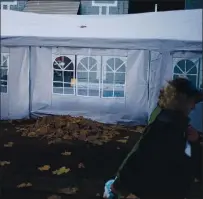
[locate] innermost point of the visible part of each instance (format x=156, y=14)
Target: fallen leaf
x=54, y=197
x=44, y=168
x=9, y=144
x=83, y=132
x=81, y=166
x=3, y=163
x=127, y=137
x=24, y=184
x=132, y=196
x=32, y=134
x=122, y=141
x=96, y=142
x=61, y=170
x=21, y=185
x=139, y=129
x=66, y=153
x=28, y=184
x=50, y=142
x=42, y=130
x=69, y=190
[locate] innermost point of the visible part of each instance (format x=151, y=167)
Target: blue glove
x=108, y=194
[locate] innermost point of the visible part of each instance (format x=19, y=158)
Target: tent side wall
x=165, y=66
x=14, y=82
x=145, y=73
x=113, y=93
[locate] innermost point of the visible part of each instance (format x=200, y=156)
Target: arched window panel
x=88, y=72
x=4, y=72
x=63, y=74
x=110, y=65
x=188, y=68
x=88, y=63
x=116, y=64
x=63, y=63
x=113, y=76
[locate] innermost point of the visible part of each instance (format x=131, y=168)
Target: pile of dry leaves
x=58, y=128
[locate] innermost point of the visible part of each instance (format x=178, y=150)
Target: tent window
x=88, y=76
x=63, y=74
x=93, y=76
x=4, y=72
x=113, y=78
x=187, y=68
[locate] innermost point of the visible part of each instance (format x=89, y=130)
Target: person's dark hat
x=185, y=86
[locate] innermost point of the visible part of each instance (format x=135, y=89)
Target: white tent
x=108, y=68
x=161, y=30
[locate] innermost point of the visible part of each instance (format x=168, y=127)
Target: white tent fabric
x=15, y=103
x=176, y=30
x=149, y=42
x=161, y=70
x=134, y=107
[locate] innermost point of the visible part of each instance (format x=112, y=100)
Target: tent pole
x=148, y=86
x=156, y=7
x=100, y=10
x=30, y=90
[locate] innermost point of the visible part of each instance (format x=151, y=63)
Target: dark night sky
x=136, y=6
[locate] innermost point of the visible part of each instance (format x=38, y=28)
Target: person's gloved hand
x=108, y=194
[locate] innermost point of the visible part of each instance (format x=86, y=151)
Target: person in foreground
x=159, y=166
x=194, y=138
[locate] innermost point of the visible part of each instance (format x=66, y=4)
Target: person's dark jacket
x=159, y=167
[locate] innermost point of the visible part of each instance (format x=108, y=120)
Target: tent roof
x=184, y=26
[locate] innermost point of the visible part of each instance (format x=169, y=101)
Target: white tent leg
x=156, y=7
x=30, y=90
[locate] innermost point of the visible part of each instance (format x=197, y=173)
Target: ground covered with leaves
x=62, y=157
x=58, y=129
